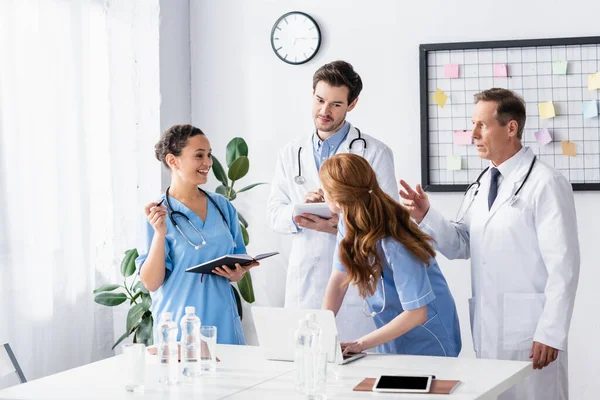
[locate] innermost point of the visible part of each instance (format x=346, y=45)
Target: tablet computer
x=320, y=209
x=403, y=384
x=229, y=260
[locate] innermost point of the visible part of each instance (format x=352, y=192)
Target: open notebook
x=229, y=260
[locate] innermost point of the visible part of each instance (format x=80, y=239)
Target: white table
x=243, y=373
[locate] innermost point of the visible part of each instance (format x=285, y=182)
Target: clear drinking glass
x=134, y=356
x=208, y=349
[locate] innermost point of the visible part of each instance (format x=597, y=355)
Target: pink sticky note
x=543, y=137
x=451, y=71
x=463, y=137
x=500, y=71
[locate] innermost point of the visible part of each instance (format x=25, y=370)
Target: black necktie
x=493, y=186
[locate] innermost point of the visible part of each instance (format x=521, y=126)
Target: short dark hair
x=509, y=106
x=174, y=140
x=340, y=73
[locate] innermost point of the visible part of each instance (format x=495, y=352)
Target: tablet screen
x=403, y=382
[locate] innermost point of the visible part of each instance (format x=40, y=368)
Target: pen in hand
x=159, y=203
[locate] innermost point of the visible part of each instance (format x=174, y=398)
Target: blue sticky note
x=590, y=109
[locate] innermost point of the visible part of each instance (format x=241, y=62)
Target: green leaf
x=239, y=168
x=135, y=297
x=107, y=288
x=223, y=191
x=219, y=171
x=134, y=316
x=245, y=235
x=236, y=148
x=123, y=337
x=146, y=301
x=246, y=290
x=242, y=219
x=128, y=263
x=143, y=333
x=251, y=186
x=110, y=299
x=140, y=287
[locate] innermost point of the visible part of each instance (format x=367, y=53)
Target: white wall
x=175, y=69
x=240, y=88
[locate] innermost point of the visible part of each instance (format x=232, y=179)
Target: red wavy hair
x=369, y=216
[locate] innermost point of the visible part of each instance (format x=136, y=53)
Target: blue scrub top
x=211, y=294
x=410, y=284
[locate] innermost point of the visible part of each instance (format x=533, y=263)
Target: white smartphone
x=403, y=384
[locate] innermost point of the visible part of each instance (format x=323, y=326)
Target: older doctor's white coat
x=311, y=256
x=524, y=270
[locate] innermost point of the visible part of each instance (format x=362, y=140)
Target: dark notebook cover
x=230, y=260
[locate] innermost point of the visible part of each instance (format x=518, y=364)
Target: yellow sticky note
x=454, y=163
x=569, y=149
x=546, y=110
x=593, y=81
x=440, y=97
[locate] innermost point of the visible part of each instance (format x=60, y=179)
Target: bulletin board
x=558, y=79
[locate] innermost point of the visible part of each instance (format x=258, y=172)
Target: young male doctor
x=336, y=87
x=520, y=231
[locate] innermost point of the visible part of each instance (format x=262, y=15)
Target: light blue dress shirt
x=411, y=284
x=211, y=294
x=323, y=149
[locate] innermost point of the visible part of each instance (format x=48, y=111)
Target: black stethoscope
x=300, y=180
x=475, y=185
x=172, y=213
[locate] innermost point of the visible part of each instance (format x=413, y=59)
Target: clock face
x=295, y=38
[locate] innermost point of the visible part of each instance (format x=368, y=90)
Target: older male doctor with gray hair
x=517, y=223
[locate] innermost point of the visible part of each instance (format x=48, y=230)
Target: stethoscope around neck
x=172, y=214
x=375, y=313
x=300, y=179
x=460, y=215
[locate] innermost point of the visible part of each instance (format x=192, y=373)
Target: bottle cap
x=190, y=310
x=311, y=316
x=167, y=315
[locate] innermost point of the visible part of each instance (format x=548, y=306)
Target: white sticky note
x=590, y=109
x=454, y=163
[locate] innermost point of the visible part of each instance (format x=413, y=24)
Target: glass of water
x=208, y=349
x=134, y=356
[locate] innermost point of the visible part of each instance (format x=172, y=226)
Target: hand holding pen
x=156, y=214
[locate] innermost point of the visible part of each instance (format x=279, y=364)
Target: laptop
x=276, y=328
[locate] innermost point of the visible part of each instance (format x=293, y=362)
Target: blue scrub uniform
x=211, y=294
x=410, y=284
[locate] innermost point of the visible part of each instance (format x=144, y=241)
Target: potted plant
x=238, y=163
x=139, y=318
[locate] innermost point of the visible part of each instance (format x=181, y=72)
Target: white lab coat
x=311, y=256
x=524, y=270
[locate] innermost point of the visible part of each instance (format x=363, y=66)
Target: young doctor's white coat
x=524, y=270
x=311, y=255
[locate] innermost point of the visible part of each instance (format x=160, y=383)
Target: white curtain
x=56, y=192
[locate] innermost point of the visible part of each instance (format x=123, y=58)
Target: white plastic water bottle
x=308, y=351
x=167, y=350
x=303, y=342
x=190, y=343
x=312, y=358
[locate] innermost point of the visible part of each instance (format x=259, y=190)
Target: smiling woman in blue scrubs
x=212, y=231
x=382, y=251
